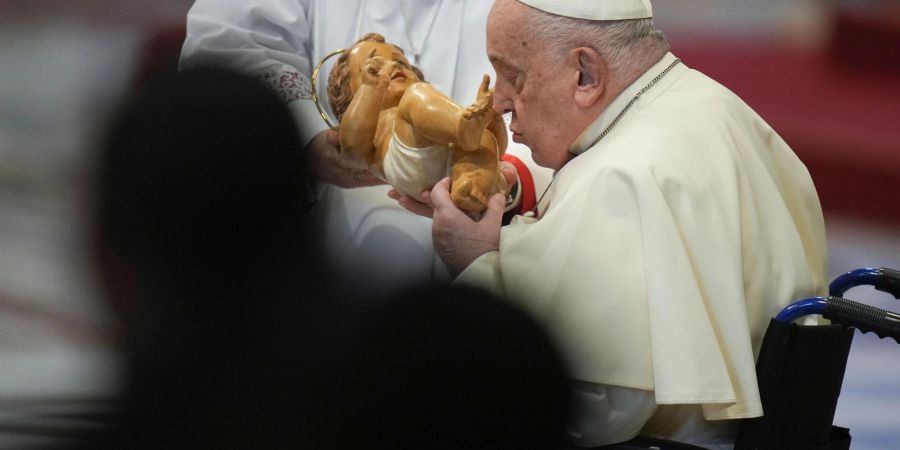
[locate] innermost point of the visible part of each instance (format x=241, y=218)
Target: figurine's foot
x=476, y=117
x=467, y=194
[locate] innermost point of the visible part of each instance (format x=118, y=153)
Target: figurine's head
x=347, y=73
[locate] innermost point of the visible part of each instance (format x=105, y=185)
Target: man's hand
x=411, y=204
x=326, y=163
x=509, y=173
x=459, y=240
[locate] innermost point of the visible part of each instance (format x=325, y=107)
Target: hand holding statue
x=458, y=239
x=424, y=209
x=326, y=163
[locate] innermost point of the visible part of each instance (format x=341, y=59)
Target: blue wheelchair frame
x=847, y=312
x=842, y=312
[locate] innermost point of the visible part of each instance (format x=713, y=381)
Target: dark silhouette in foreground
x=448, y=369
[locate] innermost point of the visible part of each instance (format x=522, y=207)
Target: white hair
x=626, y=45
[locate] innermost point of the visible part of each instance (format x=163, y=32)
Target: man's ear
x=592, y=76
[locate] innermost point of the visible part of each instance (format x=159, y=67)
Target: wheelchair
x=800, y=369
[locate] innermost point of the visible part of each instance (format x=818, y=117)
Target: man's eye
x=514, y=78
x=518, y=83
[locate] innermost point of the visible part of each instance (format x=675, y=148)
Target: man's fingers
x=416, y=207
x=426, y=198
x=410, y=204
x=509, y=172
x=333, y=138
x=496, y=204
x=363, y=178
x=439, y=197
x=326, y=163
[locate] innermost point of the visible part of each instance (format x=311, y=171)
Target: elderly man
x=678, y=222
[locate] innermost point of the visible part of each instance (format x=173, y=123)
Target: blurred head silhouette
x=200, y=181
x=447, y=369
x=203, y=251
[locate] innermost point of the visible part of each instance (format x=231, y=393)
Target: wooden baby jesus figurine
x=404, y=131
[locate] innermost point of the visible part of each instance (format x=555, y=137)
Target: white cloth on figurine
x=661, y=253
x=413, y=170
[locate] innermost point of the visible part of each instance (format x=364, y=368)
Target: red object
x=526, y=183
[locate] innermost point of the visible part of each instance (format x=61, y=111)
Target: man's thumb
x=509, y=172
x=332, y=138
x=497, y=202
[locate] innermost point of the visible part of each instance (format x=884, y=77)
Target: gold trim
x=315, y=75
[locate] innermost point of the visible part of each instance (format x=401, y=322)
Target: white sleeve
x=267, y=39
x=605, y=414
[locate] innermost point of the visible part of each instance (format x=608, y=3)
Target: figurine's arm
x=360, y=121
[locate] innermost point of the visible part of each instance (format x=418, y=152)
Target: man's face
x=530, y=87
x=400, y=72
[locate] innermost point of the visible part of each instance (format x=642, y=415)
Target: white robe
x=374, y=243
x=661, y=252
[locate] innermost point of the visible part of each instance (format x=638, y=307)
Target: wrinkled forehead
x=363, y=50
x=507, y=12
x=508, y=39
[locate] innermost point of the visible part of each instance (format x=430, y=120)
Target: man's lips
x=399, y=75
x=516, y=135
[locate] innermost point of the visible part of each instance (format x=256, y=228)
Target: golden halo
x=315, y=75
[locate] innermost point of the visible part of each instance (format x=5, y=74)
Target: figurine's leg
x=429, y=117
x=426, y=117
x=475, y=176
x=476, y=117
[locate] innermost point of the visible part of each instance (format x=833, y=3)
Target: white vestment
x=661, y=252
x=376, y=244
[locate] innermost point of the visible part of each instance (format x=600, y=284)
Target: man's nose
x=502, y=103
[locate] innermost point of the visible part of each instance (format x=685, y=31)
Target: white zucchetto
x=595, y=9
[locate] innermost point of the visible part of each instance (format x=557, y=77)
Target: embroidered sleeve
x=287, y=82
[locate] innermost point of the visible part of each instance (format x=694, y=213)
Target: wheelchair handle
x=865, y=318
x=847, y=313
x=800, y=308
x=884, y=279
